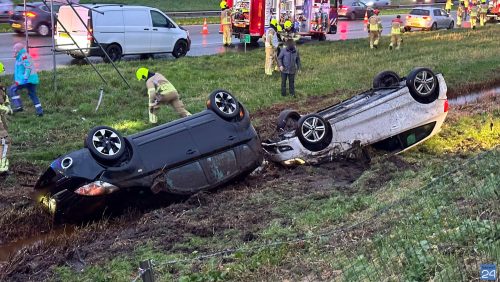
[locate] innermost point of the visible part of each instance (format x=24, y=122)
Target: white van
x=121, y=30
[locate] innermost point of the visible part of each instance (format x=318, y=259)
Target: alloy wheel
x=106, y=142
x=225, y=103
x=424, y=83
x=313, y=129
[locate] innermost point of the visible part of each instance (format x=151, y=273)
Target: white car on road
x=397, y=114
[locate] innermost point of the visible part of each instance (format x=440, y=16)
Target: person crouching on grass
x=289, y=64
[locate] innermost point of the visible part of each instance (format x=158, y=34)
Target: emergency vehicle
x=494, y=10
x=310, y=17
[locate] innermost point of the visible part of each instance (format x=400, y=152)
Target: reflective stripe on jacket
x=225, y=16
x=375, y=23
x=396, y=26
x=158, y=85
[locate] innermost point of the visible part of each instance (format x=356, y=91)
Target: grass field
x=168, y=5
x=429, y=214
x=72, y=107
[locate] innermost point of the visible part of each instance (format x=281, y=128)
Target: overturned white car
x=395, y=115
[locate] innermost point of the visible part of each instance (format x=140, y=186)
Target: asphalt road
x=201, y=44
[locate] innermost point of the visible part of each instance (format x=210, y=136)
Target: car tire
x=254, y=41
x=332, y=29
x=386, y=79
x=180, y=49
x=78, y=57
x=105, y=143
x=287, y=120
x=434, y=26
x=322, y=37
x=43, y=30
x=452, y=25
x=352, y=16
x=407, y=29
x=423, y=85
x=114, y=52
x=223, y=104
x=314, y=132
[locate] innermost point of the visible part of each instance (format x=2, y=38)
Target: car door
x=162, y=35
x=137, y=31
x=438, y=19
x=446, y=19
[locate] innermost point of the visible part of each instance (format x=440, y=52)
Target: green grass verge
x=197, y=21
x=5, y=27
x=166, y=5
x=343, y=67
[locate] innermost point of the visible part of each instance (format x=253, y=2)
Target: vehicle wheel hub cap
x=106, y=142
x=424, y=83
x=313, y=129
x=225, y=103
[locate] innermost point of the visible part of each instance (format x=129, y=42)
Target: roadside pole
x=52, y=29
x=245, y=39
x=26, y=28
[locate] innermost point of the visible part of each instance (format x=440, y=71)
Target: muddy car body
x=182, y=157
x=395, y=115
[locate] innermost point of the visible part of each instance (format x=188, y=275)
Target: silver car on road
x=395, y=115
x=428, y=18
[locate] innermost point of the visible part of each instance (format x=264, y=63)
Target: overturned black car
x=182, y=157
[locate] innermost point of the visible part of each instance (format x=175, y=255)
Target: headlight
x=96, y=188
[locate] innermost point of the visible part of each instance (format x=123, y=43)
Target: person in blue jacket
x=25, y=77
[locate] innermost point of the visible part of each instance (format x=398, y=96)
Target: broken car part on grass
x=182, y=157
x=395, y=115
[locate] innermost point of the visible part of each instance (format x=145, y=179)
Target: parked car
x=429, y=18
x=121, y=30
x=354, y=10
x=377, y=3
x=199, y=152
x=38, y=18
x=6, y=8
x=397, y=114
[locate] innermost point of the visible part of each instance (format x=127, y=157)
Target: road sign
x=245, y=38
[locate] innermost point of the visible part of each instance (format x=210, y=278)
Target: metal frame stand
x=53, y=45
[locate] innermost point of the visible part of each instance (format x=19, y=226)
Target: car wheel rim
x=313, y=129
x=225, y=103
x=180, y=50
x=424, y=83
x=106, y=142
x=43, y=30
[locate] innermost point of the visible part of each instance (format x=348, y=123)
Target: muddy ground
x=30, y=246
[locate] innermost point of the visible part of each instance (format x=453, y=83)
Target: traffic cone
x=205, y=27
x=365, y=20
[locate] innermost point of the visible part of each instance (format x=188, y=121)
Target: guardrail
x=201, y=14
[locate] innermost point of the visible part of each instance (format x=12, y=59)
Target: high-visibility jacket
x=460, y=11
x=466, y=4
x=396, y=26
x=375, y=23
x=473, y=11
x=484, y=8
x=158, y=85
x=271, y=38
x=448, y=5
x=225, y=16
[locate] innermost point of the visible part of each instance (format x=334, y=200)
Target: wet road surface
x=201, y=44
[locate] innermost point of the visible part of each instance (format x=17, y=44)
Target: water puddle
x=475, y=97
x=8, y=250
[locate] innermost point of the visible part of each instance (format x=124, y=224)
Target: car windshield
x=419, y=12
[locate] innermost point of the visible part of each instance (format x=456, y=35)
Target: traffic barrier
x=205, y=27
x=365, y=20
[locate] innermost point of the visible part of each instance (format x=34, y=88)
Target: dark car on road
x=182, y=157
x=6, y=7
x=37, y=17
x=354, y=10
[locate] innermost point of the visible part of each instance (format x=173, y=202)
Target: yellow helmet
x=142, y=73
x=274, y=22
x=2, y=69
x=279, y=28
x=288, y=24
x=223, y=4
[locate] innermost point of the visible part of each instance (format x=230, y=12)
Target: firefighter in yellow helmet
x=160, y=91
x=289, y=32
x=225, y=19
x=374, y=29
x=483, y=10
x=474, y=9
x=460, y=14
x=4, y=135
x=271, y=43
x=448, y=5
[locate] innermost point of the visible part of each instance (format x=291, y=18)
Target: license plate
x=15, y=25
x=63, y=34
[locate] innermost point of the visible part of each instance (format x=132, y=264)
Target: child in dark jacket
x=289, y=63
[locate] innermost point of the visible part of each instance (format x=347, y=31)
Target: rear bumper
x=418, y=24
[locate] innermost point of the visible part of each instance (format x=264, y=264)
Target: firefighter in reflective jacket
x=4, y=135
x=271, y=43
x=448, y=5
x=374, y=29
x=473, y=16
x=160, y=91
x=396, y=28
x=289, y=32
x=483, y=10
x=225, y=18
x=460, y=14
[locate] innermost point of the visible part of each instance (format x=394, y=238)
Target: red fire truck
x=310, y=17
x=494, y=10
